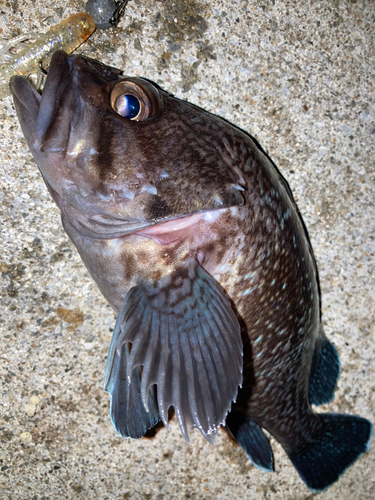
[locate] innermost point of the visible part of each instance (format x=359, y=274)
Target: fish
x=67, y=36
x=193, y=236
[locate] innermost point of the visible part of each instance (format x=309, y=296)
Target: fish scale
x=193, y=236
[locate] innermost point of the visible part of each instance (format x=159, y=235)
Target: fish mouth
x=36, y=111
x=46, y=119
x=27, y=102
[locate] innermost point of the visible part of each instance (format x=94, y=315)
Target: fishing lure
x=67, y=35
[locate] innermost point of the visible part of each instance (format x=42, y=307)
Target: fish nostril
x=76, y=61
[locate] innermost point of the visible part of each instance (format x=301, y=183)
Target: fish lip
x=36, y=112
x=27, y=102
x=42, y=116
x=15, y=84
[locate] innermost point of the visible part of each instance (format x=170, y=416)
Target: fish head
x=119, y=154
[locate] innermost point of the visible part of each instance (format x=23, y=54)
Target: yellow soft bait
x=67, y=36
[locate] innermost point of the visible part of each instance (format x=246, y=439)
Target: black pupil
x=128, y=106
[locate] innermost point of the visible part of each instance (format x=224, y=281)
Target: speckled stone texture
x=299, y=76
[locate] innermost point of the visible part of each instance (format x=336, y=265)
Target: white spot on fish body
x=149, y=188
x=77, y=149
x=125, y=193
x=276, y=348
x=218, y=200
x=211, y=216
x=104, y=197
x=269, y=386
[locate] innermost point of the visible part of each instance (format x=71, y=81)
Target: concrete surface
x=299, y=76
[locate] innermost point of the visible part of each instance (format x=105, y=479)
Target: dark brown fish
x=193, y=236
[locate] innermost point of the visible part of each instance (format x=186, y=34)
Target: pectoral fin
x=184, y=334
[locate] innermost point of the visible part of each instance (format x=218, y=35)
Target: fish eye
x=128, y=106
x=135, y=99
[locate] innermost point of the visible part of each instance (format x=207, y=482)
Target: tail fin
x=344, y=439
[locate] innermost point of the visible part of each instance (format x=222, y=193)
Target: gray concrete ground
x=299, y=76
